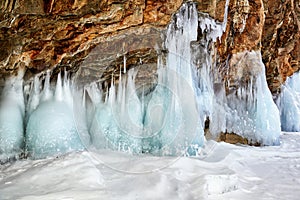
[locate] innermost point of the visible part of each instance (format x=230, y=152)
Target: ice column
x=183, y=122
x=117, y=123
x=289, y=104
x=11, y=118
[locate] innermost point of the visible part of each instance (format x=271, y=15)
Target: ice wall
x=289, y=104
x=51, y=128
x=11, y=118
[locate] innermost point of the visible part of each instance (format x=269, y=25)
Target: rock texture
x=243, y=34
x=54, y=34
x=233, y=139
x=281, y=41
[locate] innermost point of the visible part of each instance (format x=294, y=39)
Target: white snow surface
x=222, y=171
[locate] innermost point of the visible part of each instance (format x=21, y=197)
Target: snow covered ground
x=223, y=171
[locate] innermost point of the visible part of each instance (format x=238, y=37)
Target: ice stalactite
x=267, y=118
x=181, y=78
x=51, y=128
x=12, y=110
x=289, y=104
x=117, y=122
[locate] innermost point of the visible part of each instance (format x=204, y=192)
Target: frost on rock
x=51, y=128
x=11, y=118
x=289, y=104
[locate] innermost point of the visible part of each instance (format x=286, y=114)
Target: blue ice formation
x=166, y=121
x=289, y=104
x=51, y=127
x=12, y=111
x=250, y=111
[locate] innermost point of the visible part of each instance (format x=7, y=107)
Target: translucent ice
x=51, y=126
x=165, y=121
x=289, y=104
x=250, y=111
x=11, y=118
x=117, y=119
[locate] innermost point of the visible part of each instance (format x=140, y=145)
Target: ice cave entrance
x=168, y=121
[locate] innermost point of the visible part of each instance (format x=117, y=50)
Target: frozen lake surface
x=222, y=171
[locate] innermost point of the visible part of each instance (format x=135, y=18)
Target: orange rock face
x=42, y=34
x=281, y=41
x=244, y=27
x=55, y=34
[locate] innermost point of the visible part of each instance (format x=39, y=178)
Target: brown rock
x=244, y=28
x=281, y=40
x=232, y=138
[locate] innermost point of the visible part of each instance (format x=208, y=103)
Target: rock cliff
x=42, y=34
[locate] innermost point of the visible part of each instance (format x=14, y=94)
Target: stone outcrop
x=55, y=34
x=232, y=138
x=281, y=41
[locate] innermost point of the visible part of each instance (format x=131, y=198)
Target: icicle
x=34, y=97
x=51, y=127
x=67, y=94
x=124, y=61
x=47, y=93
x=59, y=89
x=134, y=107
x=251, y=113
x=267, y=118
x=120, y=88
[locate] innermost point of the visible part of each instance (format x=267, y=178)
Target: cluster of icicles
x=51, y=119
x=59, y=118
x=44, y=124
